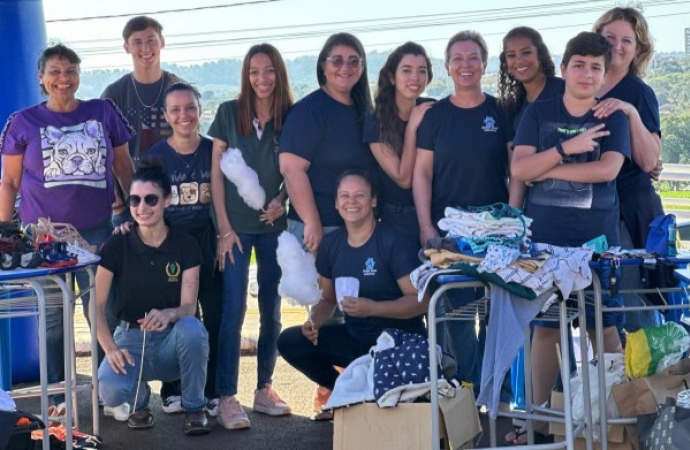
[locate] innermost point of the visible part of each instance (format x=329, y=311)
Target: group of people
x=367, y=183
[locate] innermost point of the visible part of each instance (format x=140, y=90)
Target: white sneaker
x=212, y=406
x=173, y=404
x=120, y=412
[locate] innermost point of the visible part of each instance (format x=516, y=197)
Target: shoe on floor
x=173, y=404
x=321, y=396
x=141, y=419
x=267, y=401
x=196, y=423
x=120, y=412
x=231, y=415
x=212, y=406
x=56, y=414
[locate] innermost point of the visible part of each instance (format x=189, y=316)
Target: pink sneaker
x=231, y=415
x=267, y=401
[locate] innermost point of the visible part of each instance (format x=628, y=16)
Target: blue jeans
x=180, y=352
x=54, y=323
x=235, y=280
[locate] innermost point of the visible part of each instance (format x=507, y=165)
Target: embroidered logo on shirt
x=172, y=269
x=489, y=124
x=369, y=269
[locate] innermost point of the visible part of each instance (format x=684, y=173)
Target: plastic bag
x=661, y=238
x=614, y=375
x=653, y=349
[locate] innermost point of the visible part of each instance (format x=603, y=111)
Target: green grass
x=674, y=194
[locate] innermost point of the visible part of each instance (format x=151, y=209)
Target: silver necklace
x=189, y=161
x=160, y=91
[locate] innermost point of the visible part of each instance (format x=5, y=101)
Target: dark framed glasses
x=150, y=199
x=353, y=62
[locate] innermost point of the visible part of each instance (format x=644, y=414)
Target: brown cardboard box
x=407, y=426
x=619, y=436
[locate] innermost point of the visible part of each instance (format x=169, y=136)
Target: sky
x=208, y=30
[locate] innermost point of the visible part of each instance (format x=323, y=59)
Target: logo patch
x=369, y=269
x=489, y=124
x=172, y=269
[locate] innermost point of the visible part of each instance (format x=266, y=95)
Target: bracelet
x=559, y=149
x=225, y=235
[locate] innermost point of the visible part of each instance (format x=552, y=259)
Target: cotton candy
x=299, y=281
x=244, y=177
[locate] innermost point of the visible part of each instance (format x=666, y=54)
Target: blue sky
x=300, y=27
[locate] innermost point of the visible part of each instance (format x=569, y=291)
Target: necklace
x=160, y=91
x=160, y=241
x=188, y=161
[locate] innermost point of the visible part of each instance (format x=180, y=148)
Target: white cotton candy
x=299, y=282
x=244, y=177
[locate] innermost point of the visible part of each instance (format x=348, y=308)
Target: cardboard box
x=620, y=437
x=407, y=426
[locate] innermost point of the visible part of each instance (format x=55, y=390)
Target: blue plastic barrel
x=19, y=353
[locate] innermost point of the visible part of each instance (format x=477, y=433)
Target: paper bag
x=644, y=395
x=460, y=417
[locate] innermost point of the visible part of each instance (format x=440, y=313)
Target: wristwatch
x=559, y=149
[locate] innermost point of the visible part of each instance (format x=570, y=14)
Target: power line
x=164, y=11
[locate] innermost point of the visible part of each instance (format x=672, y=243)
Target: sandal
x=519, y=437
x=56, y=415
x=322, y=416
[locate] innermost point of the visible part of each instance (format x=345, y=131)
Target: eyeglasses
x=150, y=199
x=353, y=62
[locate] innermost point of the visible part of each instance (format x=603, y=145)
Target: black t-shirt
x=470, y=148
x=553, y=88
x=378, y=264
x=568, y=213
x=147, y=277
x=326, y=133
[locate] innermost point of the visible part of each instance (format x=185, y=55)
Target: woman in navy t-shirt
x=322, y=137
x=391, y=132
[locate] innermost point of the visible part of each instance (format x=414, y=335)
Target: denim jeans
x=180, y=352
x=54, y=323
x=336, y=347
x=235, y=281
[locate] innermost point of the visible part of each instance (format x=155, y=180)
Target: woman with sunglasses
x=186, y=159
x=64, y=156
x=322, y=138
x=391, y=132
x=155, y=272
x=251, y=123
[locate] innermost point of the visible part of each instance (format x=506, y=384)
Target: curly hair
x=391, y=129
x=645, y=43
x=360, y=92
x=511, y=92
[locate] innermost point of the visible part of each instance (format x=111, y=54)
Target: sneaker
x=231, y=415
x=212, y=407
x=267, y=401
x=173, y=404
x=141, y=419
x=321, y=396
x=120, y=412
x=196, y=423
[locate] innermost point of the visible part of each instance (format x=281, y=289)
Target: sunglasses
x=150, y=199
x=353, y=62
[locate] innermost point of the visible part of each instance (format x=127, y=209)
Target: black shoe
x=196, y=423
x=141, y=419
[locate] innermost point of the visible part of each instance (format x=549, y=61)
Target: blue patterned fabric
x=407, y=362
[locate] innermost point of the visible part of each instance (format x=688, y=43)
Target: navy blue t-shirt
x=391, y=193
x=326, y=133
x=190, y=177
x=567, y=213
x=378, y=264
x=553, y=88
x=470, y=154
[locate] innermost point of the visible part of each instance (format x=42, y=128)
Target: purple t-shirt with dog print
x=68, y=160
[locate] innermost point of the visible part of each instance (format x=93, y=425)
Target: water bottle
x=672, y=231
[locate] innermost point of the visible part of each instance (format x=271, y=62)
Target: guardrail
x=676, y=172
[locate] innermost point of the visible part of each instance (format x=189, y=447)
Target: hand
x=655, y=174
x=607, y=107
x=310, y=332
x=313, y=234
x=118, y=360
x=156, y=320
x=426, y=233
x=417, y=114
x=226, y=242
x=357, y=306
x=274, y=210
x=585, y=142
x=124, y=228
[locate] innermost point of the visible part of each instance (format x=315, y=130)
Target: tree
x=675, y=131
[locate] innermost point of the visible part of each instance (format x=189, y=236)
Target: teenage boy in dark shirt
x=570, y=159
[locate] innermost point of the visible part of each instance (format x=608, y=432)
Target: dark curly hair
x=511, y=92
x=391, y=128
